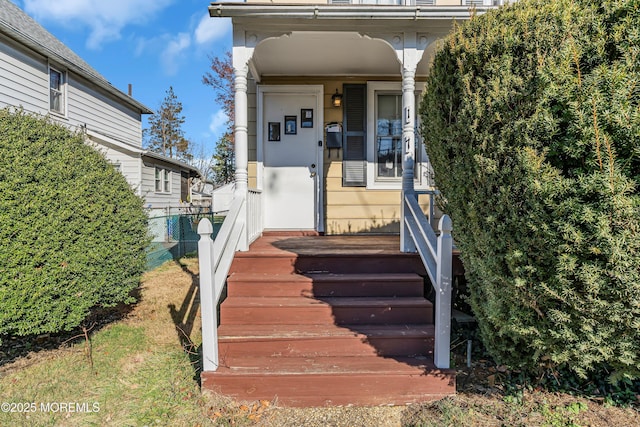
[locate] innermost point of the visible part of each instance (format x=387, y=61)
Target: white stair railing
x=436, y=254
x=215, y=259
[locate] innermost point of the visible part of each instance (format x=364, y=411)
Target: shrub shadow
x=17, y=347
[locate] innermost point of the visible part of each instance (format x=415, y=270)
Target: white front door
x=291, y=128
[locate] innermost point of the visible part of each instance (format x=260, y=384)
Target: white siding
x=151, y=197
x=128, y=162
x=100, y=113
x=24, y=80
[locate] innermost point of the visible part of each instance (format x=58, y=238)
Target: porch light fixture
x=336, y=99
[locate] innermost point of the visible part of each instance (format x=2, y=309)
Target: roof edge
x=157, y=156
x=341, y=11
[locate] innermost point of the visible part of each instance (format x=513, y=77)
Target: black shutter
x=354, y=150
x=184, y=186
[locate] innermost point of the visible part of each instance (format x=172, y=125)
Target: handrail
x=215, y=259
x=436, y=255
x=423, y=236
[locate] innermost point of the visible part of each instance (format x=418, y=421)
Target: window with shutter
x=354, y=150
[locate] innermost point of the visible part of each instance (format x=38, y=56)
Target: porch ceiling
x=315, y=53
x=330, y=39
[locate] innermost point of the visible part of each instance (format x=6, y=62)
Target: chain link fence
x=174, y=232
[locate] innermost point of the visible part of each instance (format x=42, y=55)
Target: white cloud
x=174, y=52
x=218, y=124
x=105, y=19
x=175, y=49
x=211, y=29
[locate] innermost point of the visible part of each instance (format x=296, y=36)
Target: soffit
x=316, y=53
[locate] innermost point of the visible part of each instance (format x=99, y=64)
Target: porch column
x=410, y=59
x=241, y=141
x=409, y=149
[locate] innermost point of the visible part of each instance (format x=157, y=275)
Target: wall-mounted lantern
x=336, y=99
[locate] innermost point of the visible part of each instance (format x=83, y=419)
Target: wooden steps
x=303, y=340
x=328, y=381
x=316, y=320
x=338, y=310
x=325, y=285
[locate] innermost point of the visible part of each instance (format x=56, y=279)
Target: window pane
x=389, y=135
x=158, y=180
x=166, y=181
x=56, y=101
x=56, y=94
x=386, y=154
x=55, y=80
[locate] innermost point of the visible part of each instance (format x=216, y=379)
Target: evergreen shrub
x=531, y=119
x=72, y=231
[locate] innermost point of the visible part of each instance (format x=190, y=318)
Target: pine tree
x=224, y=165
x=165, y=134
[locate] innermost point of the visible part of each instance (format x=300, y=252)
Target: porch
x=327, y=320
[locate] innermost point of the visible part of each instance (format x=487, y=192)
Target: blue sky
x=152, y=44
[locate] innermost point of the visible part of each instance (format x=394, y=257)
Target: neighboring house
x=41, y=75
x=201, y=191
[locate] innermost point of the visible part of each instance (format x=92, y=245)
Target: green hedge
x=72, y=231
x=532, y=122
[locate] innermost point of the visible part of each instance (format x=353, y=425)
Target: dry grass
x=145, y=372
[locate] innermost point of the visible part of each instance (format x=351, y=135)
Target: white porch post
x=241, y=134
x=410, y=58
x=241, y=55
x=409, y=148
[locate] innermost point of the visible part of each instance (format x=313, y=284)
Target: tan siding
x=252, y=119
x=360, y=226
x=351, y=196
x=358, y=210
x=252, y=169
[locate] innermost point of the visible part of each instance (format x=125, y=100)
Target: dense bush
x=532, y=121
x=72, y=231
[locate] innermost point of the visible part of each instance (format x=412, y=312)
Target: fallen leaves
x=248, y=411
